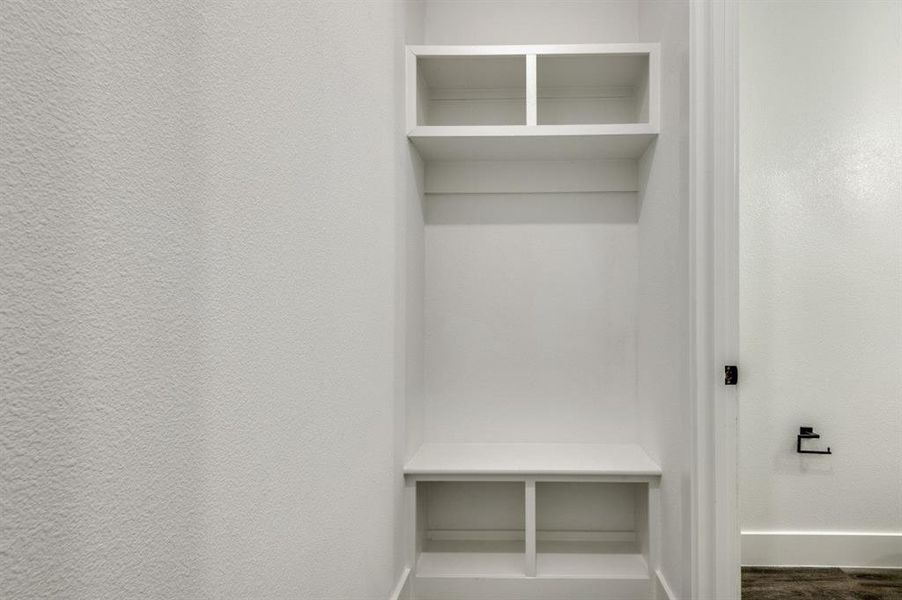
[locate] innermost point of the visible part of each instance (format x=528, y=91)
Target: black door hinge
x=731, y=375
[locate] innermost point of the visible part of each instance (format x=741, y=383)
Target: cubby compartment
x=591, y=89
x=558, y=102
x=470, y=528
x=590, y=529
x=471, y=90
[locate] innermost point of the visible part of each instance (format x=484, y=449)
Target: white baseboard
x=821, y=549
x=400, y=592
x=663, y=591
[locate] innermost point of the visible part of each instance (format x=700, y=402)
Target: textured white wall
x=198, y=295
x=663, y=295
x=821, y=254
x=102, y=279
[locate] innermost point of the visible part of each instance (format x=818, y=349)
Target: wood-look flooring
x=771, y=583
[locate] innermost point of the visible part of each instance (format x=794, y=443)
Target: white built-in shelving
x=531, y=520
x=530, y=102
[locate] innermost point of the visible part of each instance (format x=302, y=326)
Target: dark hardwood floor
x=768, y=583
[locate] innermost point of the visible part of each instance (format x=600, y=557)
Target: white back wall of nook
x=530, y=330
x=531, y=22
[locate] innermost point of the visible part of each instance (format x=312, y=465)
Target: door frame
x=714, y=290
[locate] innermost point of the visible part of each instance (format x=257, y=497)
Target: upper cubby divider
x=558, y=102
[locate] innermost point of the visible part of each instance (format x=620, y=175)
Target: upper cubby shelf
x=533, y=102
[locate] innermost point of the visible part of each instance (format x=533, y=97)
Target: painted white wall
x=530, y=330
x=197, y=299
x=530, y=21
x=821, y=267
x=663, y=293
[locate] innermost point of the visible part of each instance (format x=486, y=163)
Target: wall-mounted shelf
x=533, y=102
x=626, y=460
x=521, y=142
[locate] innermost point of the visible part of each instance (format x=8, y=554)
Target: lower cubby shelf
x=569, y=530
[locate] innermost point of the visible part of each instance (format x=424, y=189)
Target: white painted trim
x=654, y=88
x=531, y=461
x=663, y=590
x=545, y=535
x=539, y=477
x=400, y=590
x=541, y=49
x=585, y=91
x=701, y=529
x=530, y=176
x=714, y=266
x=821, y=549
x=554, y=587
x=726, y=299
x=526, y=130
x=655, y=523
x=411, y=519
x=410, y=85
x=531, y=91
x=530, y=528
x=482, y=535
